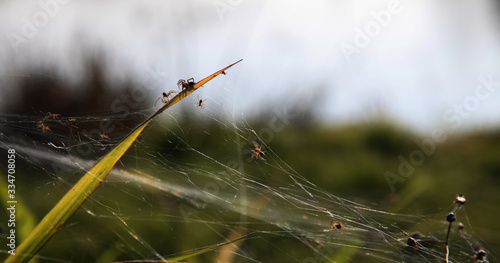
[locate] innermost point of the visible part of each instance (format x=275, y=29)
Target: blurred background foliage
x=346, y=160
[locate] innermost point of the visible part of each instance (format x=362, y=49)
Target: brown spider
x=480, y=254
x=413, y=240
x=336, y=225
x=183, y=84
x=200, y=103
x=164, y=98
x=44, y=127
x=257, y=152
x=51, y=115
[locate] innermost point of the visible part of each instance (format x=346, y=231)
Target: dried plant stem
x=451, y=217
x=447, y=242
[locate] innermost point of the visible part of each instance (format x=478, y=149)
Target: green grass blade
x=75, y=197
x=199, y=252
x=208, y=249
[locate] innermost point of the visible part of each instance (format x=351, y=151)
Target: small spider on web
x=200, y=103
x=165, y=97
x=258, y=152
x=104, y=136
x=336, y=225
x=44, y=126
x=51, y=115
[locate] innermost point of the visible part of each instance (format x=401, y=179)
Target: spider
x=49, y=115
x=257, y=152
x=183, y=84
x=44, y=127
x=164, y=97
x=480, y=254
x=200, y=103
x=413, y=240
x=337, y=225
x=223, y=72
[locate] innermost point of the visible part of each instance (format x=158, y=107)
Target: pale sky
x=417, y=62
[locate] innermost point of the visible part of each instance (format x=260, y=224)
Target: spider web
x=190, y=182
